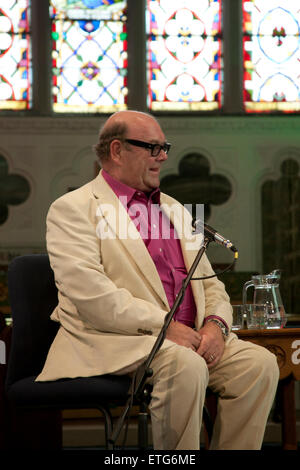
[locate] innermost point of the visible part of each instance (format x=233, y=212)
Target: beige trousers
x=245, y=379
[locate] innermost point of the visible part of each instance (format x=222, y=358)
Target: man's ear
x=115, y=151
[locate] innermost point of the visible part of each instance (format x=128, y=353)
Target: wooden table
x=285, y=344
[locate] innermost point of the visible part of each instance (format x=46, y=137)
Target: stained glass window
x=15, y=55
x=184, y=54
x=89, y=55
x=271, y=55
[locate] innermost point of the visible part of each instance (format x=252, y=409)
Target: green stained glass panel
x=271, y=55
x=184, y=54
x=89, y=55
x=15, y=55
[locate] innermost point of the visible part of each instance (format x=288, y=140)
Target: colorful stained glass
x=15, y=55
x=89, y=55
x=271, y=55
x=184, y=54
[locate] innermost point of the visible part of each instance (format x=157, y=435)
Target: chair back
x=33, y=296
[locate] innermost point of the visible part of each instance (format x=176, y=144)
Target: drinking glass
x=238, y=317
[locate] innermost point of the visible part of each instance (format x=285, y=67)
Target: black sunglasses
x=155, y=148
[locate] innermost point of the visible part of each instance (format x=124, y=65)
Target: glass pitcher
x=267, y=294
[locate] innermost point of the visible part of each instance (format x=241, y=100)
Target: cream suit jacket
x=112, y=303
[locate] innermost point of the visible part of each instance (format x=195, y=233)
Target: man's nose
x=162, y=156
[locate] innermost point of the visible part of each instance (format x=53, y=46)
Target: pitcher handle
x=245, y=287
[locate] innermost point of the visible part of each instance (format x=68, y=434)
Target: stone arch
x=280, y=200
x=196, y=184
x=14, y=189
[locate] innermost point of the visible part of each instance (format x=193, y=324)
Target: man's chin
x=152, y=184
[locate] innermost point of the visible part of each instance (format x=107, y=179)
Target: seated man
x=117, y=277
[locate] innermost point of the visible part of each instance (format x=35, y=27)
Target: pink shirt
x=153, y=225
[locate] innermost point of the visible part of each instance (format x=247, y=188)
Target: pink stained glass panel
x=15, y=55
x=184, y=55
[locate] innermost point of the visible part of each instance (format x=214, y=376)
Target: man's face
x=139, y=169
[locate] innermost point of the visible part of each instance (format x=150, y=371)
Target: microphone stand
x=139, y=389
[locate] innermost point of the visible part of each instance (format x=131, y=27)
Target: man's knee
x=192, y=369
x=265, y=364
x=271, y=366
x=185, y=367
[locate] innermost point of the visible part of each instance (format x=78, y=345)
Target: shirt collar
x=121, y=189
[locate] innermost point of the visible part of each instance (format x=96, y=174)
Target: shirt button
x=154, y=226
x=161, y=250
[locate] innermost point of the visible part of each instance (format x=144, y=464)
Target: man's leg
x=180, y=378
x=246, y=380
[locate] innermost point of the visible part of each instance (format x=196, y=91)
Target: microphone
x=213, y=235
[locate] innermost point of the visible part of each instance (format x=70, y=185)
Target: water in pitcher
x=274, y=318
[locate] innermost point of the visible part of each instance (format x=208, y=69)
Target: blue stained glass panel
x=89, y=55
x=271, y=55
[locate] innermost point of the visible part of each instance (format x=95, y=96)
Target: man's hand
x=183, y=335
x=212, y=344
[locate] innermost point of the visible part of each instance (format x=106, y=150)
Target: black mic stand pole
x=138, y=388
